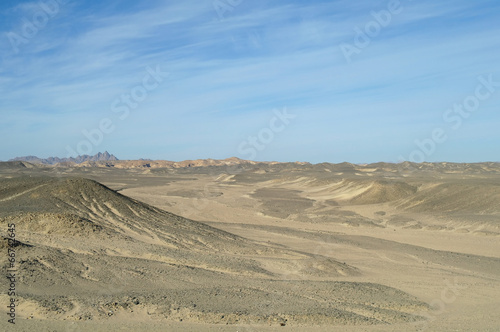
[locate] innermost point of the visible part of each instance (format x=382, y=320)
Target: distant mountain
x=106, y=156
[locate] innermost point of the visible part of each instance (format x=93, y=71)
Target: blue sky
x=226, y=68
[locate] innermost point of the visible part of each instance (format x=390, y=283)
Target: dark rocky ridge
x=106, y=156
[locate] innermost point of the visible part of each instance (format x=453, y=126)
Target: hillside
x=89, y=253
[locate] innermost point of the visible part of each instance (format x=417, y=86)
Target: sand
x=267, y=247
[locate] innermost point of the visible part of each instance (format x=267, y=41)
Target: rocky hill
x=106, y=156
x=87, y=252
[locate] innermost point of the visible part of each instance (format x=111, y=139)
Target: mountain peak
x=106, y=156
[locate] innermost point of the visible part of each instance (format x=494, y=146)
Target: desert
x=250, y=246
x=249, y=165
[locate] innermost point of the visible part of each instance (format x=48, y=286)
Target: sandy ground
x=433, y=236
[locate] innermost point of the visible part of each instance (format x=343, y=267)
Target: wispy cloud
x=227, y=76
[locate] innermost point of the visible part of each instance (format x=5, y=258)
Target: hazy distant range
x=106, y=156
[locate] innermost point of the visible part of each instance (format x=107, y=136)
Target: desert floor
x=392, y=249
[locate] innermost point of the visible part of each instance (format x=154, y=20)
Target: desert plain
x=234, y=245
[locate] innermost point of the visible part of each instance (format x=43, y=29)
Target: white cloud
x=260, y=57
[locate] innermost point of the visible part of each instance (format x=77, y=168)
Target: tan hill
x=169, y=164
x=16, y=165
x=59, y=205
x=440, y=196
x=464, y=197
x=87, y=252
